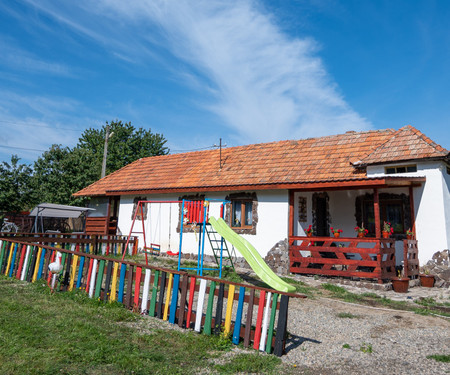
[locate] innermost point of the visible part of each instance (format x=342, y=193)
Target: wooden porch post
x=108, y=213
x=376, y=211
x=291, y=214
x=411, y=206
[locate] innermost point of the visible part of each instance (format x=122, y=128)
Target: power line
x=22, y=148
x=39, y=126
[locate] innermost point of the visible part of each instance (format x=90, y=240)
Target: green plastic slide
x=251, y=255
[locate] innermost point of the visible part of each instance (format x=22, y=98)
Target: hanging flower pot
x=400, y=284
x=336, y=235
x=427, y=281
x=308, y=234
x=409, y=237
x=361, y=235
x=386, y=234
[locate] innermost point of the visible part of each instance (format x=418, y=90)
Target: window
x=241, y=213
x=401, y=169
x=135, y=206
x=394, y=209
x=187, y=228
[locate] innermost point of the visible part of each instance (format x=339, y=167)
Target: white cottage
x=278, y=190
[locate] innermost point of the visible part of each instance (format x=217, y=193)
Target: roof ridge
x=422, y=137
x=349, y=133
x=429, y=141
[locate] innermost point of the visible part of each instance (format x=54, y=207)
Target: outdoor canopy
x=56, y=210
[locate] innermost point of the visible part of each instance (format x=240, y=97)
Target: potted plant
x=400, y=284
x=309, y=232
x=426, y=280
x=336, y=232
x=387, y=229
x=361, y=231
x=409, y=234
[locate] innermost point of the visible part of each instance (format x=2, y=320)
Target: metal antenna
x=220, y=152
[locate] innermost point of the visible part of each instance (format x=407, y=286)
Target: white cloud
x=30, y=124
x=262, y=83
x=22, y=60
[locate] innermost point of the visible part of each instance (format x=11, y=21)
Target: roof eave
x=375, y=182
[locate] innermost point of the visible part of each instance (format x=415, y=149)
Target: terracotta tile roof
x=285, y=162
x=407, y=143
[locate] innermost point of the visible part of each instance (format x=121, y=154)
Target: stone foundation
x=439, y=266
x=278, y=258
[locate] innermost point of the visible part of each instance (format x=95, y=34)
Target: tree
x=15, y=188
x=125, y=145
x=61, y=171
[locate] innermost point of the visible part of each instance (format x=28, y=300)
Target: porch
x=369, y=257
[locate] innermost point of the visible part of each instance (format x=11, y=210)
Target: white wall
x=271, y=227
x=431, y=204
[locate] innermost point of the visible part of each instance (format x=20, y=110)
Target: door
x=321, y=225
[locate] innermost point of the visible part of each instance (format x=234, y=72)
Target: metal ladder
x=217, y=242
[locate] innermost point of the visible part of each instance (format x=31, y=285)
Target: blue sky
x=246, y=71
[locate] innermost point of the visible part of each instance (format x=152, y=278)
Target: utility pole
x=105, y=151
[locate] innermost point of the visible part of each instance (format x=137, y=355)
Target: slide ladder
x=218, y=244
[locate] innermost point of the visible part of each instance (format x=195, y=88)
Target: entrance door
x=113, y=214
x=320, y=215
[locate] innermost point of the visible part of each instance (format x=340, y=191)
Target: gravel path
x=399, y=341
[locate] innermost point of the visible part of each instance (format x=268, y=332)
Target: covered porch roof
x=366, y=183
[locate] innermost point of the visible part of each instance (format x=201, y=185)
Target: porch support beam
x=291, y=214
x=411, y=206
x=376, y=211
x=108, y=214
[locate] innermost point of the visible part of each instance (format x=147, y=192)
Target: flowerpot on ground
x=386, y=234
x=400, y=284
x=427, y=281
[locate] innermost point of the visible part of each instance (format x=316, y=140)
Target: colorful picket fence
x=90, y=244
x=255, y=316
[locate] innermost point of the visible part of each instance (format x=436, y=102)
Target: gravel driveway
x=379, y=341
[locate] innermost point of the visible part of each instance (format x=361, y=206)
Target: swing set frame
x=195, y=213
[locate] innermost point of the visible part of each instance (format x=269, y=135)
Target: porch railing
x=372, y=258
x=410, y=258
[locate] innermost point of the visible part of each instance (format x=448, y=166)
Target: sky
x=246, y=71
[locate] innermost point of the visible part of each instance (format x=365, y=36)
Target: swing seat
x=172, y=254
x=153, y=249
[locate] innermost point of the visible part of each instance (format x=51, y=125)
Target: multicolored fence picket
x=90, y=244
x=255, y=316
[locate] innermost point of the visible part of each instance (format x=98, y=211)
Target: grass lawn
x=68, y=333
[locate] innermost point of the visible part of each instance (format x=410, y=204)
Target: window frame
x=397, y=169
x=364, y=212
x=243, y=212
x=242, y=196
